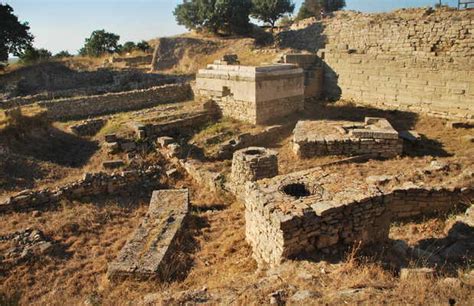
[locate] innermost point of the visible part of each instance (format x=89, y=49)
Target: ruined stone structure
x=92, y=184
x=253, y=94
x=375, y=136
x=252, y=164
x=316, y=210
x=83, y=107
x=415, y=60
x=313, y=72
x=150, y=251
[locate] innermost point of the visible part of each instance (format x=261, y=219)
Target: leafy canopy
x=270, y=11
x=225, y=16
x=14, y=35
x=312, y=8
x=99, y=43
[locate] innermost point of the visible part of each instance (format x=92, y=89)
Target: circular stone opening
x=253, y=152
x=297, y=190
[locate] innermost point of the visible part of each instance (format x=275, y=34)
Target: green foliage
x=129, y=46
x=226, y=16
x=32, y=55
x=312, y=8
x=270, y=11
x=14, y=35
x=63, y=54
x=99, y=43
x=143, y=46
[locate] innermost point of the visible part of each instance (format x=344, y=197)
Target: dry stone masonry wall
x=417, y=60
x=308, y=211
x=83, y=107
x=252, y=164
x=375, y=136
x=93, y=184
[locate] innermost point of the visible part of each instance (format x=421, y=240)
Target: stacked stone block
x=309, y=211
x=319, y=138
x=252, y=164
x=257, y=95
x=413, y=60
x=83, y=107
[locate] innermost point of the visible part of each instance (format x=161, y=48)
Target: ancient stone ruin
x=375, y=136
x=253, y=94
x=150, y=251
x=315, y=210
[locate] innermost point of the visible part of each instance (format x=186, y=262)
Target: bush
x=32, y=55
x=63, y=54
x=312, y=8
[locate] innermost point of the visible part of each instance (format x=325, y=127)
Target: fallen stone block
x=164, y=141
x=149, y=254
x=460, y=124
x=407, y=273
x=113, y=164
x=110, y=138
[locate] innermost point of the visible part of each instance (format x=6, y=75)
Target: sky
x=64, y=24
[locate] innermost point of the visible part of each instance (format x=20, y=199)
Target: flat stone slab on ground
x=149, y=253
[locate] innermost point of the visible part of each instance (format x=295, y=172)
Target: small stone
x=408, y=273
x=128, y=146
x=35, y=214
x=110, y=138
x=112, y=164
x=303, y=295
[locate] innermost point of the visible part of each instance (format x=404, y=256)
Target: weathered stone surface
x=375, y=136
x=149, y=253
x=112, y=164
x=253, y=94
x=316, y=210
x=88, y=127
x=252, y=164
x=416, y=273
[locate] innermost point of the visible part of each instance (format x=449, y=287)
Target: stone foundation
x=317, y=138
x=315, y=210
x=149, y=254
x=83, y=107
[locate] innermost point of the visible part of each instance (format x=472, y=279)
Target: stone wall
x=416, y=60
x=83, y=107
x=308, y=211
x=93, y=184
x=252, y=164
x=375, y=136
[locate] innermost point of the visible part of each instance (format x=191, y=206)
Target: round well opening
x=253, y=152
x=297, y=190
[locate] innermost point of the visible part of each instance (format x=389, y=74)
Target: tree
x=143, y=46
x=227, y=16
x=14, y=35
x=312, y=8
x=63, y=54
x=270, y=11
x=127, y=47
x=99, y=43
x=31, y=55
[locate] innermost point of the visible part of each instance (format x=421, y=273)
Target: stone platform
x=149, y=253
x=374, y=136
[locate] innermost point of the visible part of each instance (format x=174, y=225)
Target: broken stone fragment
x=110, y=138
x=113, y=164
x=410, y=136
x=416, y=273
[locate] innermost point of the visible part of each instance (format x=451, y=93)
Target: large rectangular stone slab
x=149, y=252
